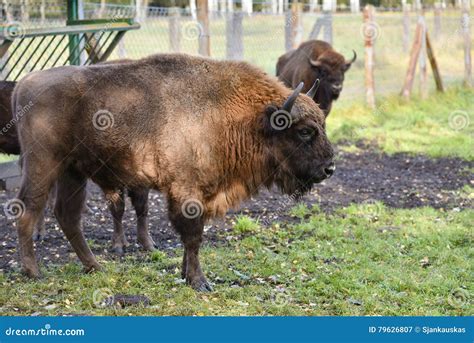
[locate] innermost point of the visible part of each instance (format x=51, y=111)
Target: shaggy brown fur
x=327, y=65
x=9, y=144
x=199, y=130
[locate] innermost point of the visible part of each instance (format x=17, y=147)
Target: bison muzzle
x=206, y=133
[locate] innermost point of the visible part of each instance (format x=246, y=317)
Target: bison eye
x=306, y=133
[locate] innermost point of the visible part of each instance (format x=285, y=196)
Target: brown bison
x=9, y=144
x=8, y=136
x=313, y=60
x=206, y=133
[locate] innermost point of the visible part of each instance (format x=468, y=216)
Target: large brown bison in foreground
x=206, y=133
x=313, y=60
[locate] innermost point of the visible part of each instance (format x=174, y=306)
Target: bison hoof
x=118, y=251
x=37, y=237
x=201, y=285
x=93, y=268
x=148, y=244
x=32, y=273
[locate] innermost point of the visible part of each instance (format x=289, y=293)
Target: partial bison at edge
x=206, y=133
x=314, y=60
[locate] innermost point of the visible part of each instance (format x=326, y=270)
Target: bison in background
x=207, y=133
x=313, y=60
x=8, y=136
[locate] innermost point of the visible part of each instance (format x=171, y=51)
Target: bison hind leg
x=70, y=198
x=139, y=198
x=116, y=203
x=30, y=205
x=39, y=232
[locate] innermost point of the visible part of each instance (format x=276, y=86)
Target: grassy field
x=365, y=259
x=439, y=126
x=361, y=260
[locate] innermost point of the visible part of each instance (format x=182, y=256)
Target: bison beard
x=199, y=130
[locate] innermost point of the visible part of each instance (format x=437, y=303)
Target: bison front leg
x=190, y=226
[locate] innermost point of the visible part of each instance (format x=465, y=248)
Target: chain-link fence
x=263, y=37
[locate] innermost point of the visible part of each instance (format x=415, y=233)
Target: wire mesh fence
x=263, y=37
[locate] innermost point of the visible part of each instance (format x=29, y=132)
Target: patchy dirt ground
x=400, y=180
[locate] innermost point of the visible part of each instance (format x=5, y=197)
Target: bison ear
x=275, y=120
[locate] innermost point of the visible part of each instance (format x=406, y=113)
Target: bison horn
x=314, y=63
x=312, y=92
x=288, y=105
x=353, y=58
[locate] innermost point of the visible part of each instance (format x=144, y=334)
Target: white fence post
x=355, y=6
x=192, y=8
x=466, y=30
x=274, y=6
x=327, y=5
x=247, y=6
x=281, y=6
x=174, y=29
x=234, y=33
x=406, y=25
x=422, y=60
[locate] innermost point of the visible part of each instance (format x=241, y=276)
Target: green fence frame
x=39, y=49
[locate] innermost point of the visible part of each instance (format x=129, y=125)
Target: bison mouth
x=301, y=183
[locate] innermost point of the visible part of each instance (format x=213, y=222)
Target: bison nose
x=329, y=170
x=337, y=87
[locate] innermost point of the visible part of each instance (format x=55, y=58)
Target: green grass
x=7, y=158
x=361, y=260
x=438, y=126
x=245, y=224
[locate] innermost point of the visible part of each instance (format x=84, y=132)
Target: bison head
x=300, y=152
x=329, y=68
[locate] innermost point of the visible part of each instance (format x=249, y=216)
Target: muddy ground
x=400, y=180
